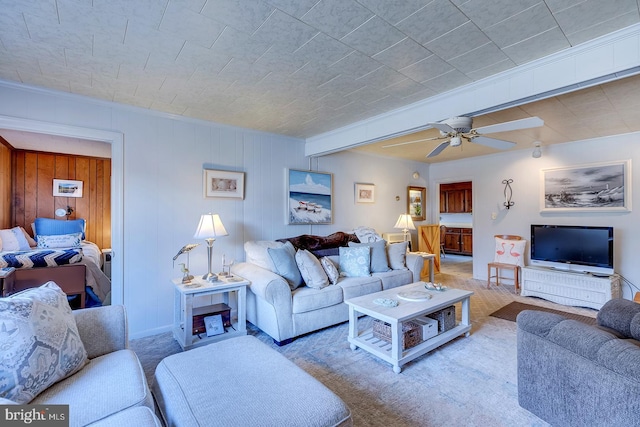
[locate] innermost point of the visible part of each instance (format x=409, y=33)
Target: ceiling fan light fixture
x=537, y=152
x=455, y=141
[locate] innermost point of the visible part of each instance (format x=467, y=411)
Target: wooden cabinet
x=456, y=198
x=458, y=241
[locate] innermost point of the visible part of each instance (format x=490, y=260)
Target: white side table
x=183, y=309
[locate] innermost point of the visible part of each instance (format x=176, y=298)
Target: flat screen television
x=574, y=248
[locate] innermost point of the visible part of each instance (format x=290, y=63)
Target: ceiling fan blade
x=412, y=142
x=492, y=142
x=531, y=122
x=442, y=127
x=438, y=149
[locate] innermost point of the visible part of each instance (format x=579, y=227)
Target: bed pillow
x=52, y=227
x=13, y=240
x=60, y=241
x=379, y=262
x=397, y=253
x=355, y=261
x=330, y=268
x=284, y=263
x=311, y=270
x=40, y=342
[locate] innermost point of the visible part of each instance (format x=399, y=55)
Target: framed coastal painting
x=416, y=200
x=223, y=184
x=365, y=193
x=596, y=187
x=67, y=188
x=309, y=197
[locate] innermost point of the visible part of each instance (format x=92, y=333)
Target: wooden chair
x=499, y=266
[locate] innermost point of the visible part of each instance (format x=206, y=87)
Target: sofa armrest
x=415, y=263
x=266, y=285
x=102, y=329
x=622, y=316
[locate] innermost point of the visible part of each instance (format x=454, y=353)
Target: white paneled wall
x=163, y=197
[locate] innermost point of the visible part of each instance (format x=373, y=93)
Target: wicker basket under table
x=411, y=333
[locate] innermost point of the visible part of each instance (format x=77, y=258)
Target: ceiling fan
x=455, y=129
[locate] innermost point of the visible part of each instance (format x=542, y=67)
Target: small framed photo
x=67, y=188
x=223, y=184
x=365, y=193
x=213, y=325
x=416, y=201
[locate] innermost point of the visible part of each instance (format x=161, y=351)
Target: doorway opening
x=456, y=228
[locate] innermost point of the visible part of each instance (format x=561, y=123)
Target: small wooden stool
x=498, y=266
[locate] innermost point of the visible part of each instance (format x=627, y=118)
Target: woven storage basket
x=411, y=333
x=446, y=318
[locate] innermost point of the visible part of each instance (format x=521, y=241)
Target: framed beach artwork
x=596, y=187
x=67, y=188
x=309, y=197
x=365, y=193
x=223, y=184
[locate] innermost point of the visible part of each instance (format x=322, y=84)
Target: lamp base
x=210, y=277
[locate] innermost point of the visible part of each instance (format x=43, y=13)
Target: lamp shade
x=405, y=223
x=210, y=226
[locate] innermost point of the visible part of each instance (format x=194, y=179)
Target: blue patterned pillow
x=355, y=262
x=52, y=227
x=60, y=241
x=379, y=261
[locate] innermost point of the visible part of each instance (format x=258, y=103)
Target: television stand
x=569, y=288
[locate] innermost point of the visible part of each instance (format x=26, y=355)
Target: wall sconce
x=508, y=193
x=64, y=212
x=537, y=152
x=416, y=175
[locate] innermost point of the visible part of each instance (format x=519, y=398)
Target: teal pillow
x=355, y=261
x=379, y=262
x=284, y=262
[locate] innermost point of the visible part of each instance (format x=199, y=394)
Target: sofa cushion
x=108, y=384
x=311, y=270
x=379, y=261
x=397, y=253
x=40, y=342
x=356, y=286
x=331, y=269
x=622, y=316
x=305, y=299
x=355, y=262
x=394, y=278
x=256, y=252
x=284, y=264
x=139, y=416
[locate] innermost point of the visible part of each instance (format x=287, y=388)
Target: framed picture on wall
x=596, y=187
x=67, y=188
x=223, y=184
x=416, y=202
x=309, y=197
x=365, y=193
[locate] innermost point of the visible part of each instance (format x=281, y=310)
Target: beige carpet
x=467, y=382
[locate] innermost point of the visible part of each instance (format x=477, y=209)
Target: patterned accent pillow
x=312, y=272
x=397, y=253
x=367, y=234
x=13, y=240
x=39, y=340
x=510, y=251
x=355, y=262
x=331, y=270
x=60, y=241
x=379, y=261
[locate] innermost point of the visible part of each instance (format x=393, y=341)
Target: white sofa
x=285, y=314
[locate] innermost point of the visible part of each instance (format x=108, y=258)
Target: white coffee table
x=405, y=311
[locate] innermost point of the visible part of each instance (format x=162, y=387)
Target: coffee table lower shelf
x=383, y=349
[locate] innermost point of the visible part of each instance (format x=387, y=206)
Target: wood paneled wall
x=5, y=184
x=32, y=185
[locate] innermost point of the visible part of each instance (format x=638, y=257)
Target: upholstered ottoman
x=242, y=382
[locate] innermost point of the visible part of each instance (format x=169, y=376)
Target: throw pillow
x=355, y=261
x=256, y=251
x=30, y=240
x=312, y=272
x=284, y=262
x=39, y=340
x=366, y=234
x=379, y=261
x=60, y=241
x=51, y=227
x=13, y=240
x=397, y=253
x=510, y=251
x=331, y=270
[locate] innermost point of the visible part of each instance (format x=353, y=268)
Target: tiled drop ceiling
x=293, y=67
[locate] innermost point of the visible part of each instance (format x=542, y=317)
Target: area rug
x=511, y=310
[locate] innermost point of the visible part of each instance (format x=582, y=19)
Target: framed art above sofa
x=309, y=197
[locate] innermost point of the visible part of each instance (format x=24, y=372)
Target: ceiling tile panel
x=458, y=41
x=538, y=46
x=41, y=30
x=341, y=84
x=79, y=62
x=195, y=5
x=355, y=65
x=522, y=26
x=403, y=54
x=278, y=61
x=487, y=13
x=447, y=81
x=337, y=18
x=12, y=24
x=404, y=88
x=295, y=8
x=142, y=12
x=382, y=78
x=285, y=31
x=190, y=25
x=34, y=78
x=373, y=36
x=394, y=11
x=239, y=45
x=195, y=56
x=76, y=15
x=143, y=38
x=432, y=21
x=491, y=69
x=427, y=69
x=322, y=51
x=590, y=13
x=478, y=58
x=243, y=15
x=602, y=28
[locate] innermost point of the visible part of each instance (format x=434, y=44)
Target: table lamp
x=406, y=224
x=209, y=228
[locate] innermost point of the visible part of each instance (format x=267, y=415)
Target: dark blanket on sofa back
x=322, y=245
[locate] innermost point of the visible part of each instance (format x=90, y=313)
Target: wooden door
x=466, y=239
